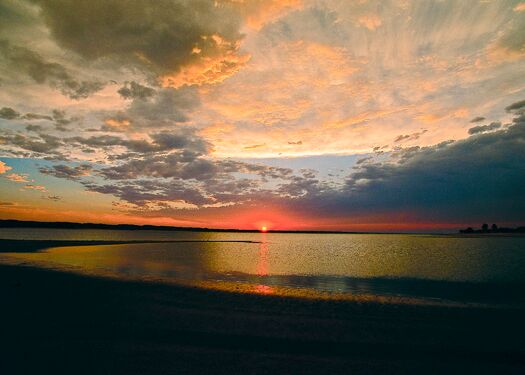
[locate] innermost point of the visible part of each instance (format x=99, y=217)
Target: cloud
x=148, y=194
x=169, y=106
x=15, y=177
x=20, y=60
x=134, y=90
x=43, y=144
x=477, y=119
x=411, y=137
x=4, y=167
x=254, y=146
x=33, y=128
x=9, y=113
x=36, y=187
x=181, y=42
x=519, y=7
x=512, y=40
x=484, y=128
x=177, y=139
x=61, y=121
x=36, y=116
x=479, y=177
x=364, y=160
x=182, y=165
x=67, y=172
x=518, y=106
x=116, y=124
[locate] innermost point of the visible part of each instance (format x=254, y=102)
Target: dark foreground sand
x=54, y=322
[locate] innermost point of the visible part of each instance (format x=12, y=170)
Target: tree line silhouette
x=493, y=229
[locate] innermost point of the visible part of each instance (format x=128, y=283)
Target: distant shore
x=67, y=323
x=133, y=227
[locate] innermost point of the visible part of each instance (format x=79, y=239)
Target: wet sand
x=55, y=322
x=59, y=322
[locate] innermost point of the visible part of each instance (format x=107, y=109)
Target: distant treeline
x=69, y=225
x=493, y=229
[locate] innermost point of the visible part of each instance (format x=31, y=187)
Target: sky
x=391, y=115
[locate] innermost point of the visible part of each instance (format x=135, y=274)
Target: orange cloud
x=36, y=187
x=4, y=167
x=116, y=124
x=17, y=177
x=520, y=7
x=209, y=69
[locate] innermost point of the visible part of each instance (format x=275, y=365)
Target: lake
x=486, y=270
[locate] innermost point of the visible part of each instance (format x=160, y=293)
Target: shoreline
x=32, y=246
x=393, y=291
x=19, y=224
x=68, y=316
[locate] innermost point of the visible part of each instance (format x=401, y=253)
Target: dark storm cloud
x=134, y=90
x=158, y=34
x=9, y=113
x=481, y=176
x=484, y=128
x=20, y=60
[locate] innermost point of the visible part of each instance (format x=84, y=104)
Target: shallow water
x=482, y=270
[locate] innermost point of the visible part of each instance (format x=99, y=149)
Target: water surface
x=432, y=267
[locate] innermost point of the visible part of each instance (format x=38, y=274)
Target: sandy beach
x=56, y=322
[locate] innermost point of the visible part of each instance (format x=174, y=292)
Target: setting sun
x=240, y=186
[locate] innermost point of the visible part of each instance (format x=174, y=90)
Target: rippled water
x=484, y=269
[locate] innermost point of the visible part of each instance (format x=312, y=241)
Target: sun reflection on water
x=262, y=265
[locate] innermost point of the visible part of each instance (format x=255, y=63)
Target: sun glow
x=264, y=229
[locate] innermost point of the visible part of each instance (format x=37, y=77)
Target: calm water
x=483, y=270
